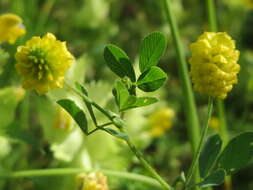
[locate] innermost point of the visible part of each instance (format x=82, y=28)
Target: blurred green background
x=36, y=134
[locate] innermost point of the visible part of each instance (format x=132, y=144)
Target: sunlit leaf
x=118, y=61
x=127, y=101
x=152, y=79
x=152, y=48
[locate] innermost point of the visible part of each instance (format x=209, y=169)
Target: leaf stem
x=201, y=143
x=74, y=171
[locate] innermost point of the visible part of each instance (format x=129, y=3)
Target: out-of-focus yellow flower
x=62, y=119
x=10, y=28
x=214, y=65
x=43, y=62
x=214, y=123
x=160, y=121
x=248, y=3
x=92, y=181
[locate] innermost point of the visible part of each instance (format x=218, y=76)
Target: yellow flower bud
x=213, y=63
x=92, y=181
x=10, y=28
x=43, y=62
x=160, y=121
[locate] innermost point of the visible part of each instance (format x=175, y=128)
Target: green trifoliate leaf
x=126, y=101
x=238, y=153
x=152, y=48
x=118, y=61
x=152, y=79
x=76, y=113
x=214, y=179
x=209, y=155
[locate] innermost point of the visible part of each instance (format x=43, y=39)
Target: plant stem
x=223, y=123
x=191, y=110
x=201, y=143
x=74, y=171
x=212, y=20
x=211, y=15
x=147, y=166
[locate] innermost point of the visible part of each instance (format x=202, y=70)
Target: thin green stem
x=201, y=143
x=74, y=171
x=151, y=170
x=191, y=110
x=223, y=122
x=212, y=20
x=88, y=100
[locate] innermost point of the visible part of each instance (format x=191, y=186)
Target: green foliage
x=126, y=101
x=152, y=79
x=237, y=153
x=214, y=179
x=118, y=61
x=76, y=113
x=152, y=48
x=209, y=155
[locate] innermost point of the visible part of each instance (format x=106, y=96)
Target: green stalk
x=201, y=143
x=191, y=110
x=212, y=20
x=220, y=103
x=74, y=171
x=223, y=122
x=151, y=170
x=211, y=15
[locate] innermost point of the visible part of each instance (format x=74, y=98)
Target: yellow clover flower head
x=43, y=62
x=10, y=28
x=92, y=181
x=160, y=121
x=213, y=63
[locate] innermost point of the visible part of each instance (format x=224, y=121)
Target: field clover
x=213, y=63
x=10, y=28
x=43, y=62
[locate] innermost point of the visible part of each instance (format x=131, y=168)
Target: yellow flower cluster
x=160, y=121
x=10, y=28
x=43, y=62
x=92, y=181
x=213, y=63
